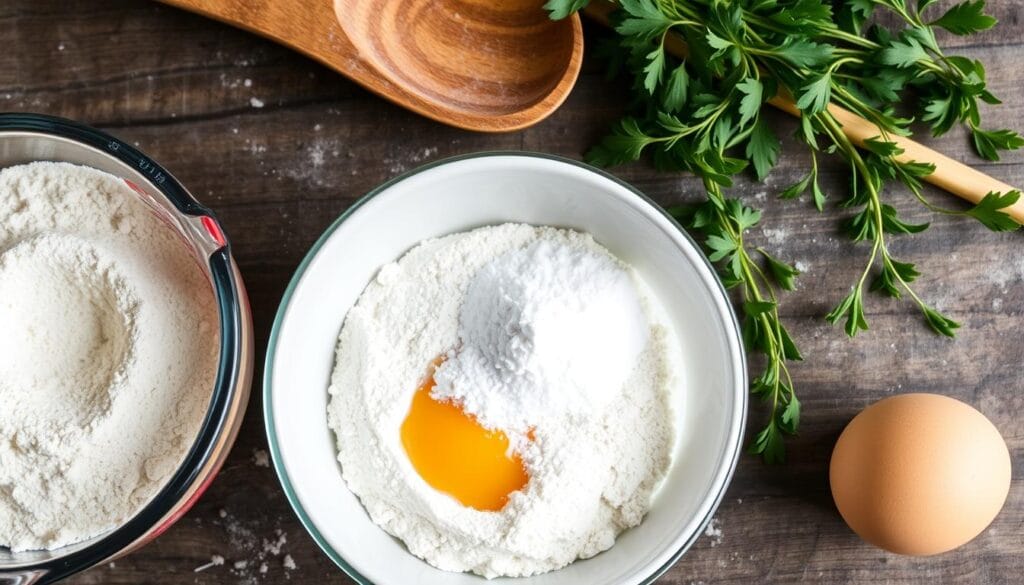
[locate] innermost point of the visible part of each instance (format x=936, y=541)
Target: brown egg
x=919, y=474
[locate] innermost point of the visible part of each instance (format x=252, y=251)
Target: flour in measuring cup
x=108, y=353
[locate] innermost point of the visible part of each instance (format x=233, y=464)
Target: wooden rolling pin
x=952, y=175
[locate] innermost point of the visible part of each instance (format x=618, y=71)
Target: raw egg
x=454, y=454
x=919, y=474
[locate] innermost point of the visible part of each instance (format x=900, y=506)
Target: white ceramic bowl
x=461, y=194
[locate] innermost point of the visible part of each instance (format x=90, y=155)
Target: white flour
x=594, y=460
x=108, y=346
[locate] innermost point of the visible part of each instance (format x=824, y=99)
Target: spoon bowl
x=474, y=64
x=478, y=57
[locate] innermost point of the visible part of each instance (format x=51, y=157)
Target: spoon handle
x=310, y=27
x=951, y=175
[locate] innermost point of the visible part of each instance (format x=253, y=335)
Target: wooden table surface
x=279, y=146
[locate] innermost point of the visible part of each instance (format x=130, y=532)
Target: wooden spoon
x=486, y=65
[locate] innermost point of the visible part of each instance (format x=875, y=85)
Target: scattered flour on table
x=215, y=561
x=289, y=563
x=260, y=458
x=108, y=352
x=399, y=164
x=274, y=546
x=543, y=330
x=714, y=532
x=248, y=551
x=776, y=237
x=1003, y=274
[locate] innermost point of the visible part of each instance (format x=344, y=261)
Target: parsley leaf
x=796, y=189
x=784, y=274
x=625, y=143
x=903, y=54
x=853, y=14
x=790, y=419
x=804, y=53
x=560, y=9
x=676, y=88
x=851, y=307
x=644, y=20
x=988, y=143
x=762, y=148
x=966, y=18
x=655, y=68
x=894, y=225
x=883, y=148
x=816, y=94
x=940, y=323
x=769, y=444
x=750, y=103
x=989, y=211
x=803, y=15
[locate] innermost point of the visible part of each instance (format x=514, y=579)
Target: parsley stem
x=874, y=200
x=781, y=388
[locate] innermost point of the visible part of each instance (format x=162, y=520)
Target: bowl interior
x=464, y=194
x=205, y=241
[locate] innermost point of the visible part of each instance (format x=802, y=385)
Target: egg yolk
x=454, y=454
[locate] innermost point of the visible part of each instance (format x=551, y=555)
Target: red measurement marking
x=213, y=229
x=135, y=188
x=184, y=507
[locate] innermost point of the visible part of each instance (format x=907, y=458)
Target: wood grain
x=473, y=64
x=175, y=84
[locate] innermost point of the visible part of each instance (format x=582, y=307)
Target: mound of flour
x=543, y=330
x=546, y=331
x=108, y=349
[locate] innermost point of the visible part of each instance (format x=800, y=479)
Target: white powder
x=249, y=550
x=215, y=561
x=500, y=302
x=547, y=331
x=70, y=316
x=108, y=350
x=260, y=458
x=713, y=532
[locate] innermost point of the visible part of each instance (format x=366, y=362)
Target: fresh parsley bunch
x=703, y=114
